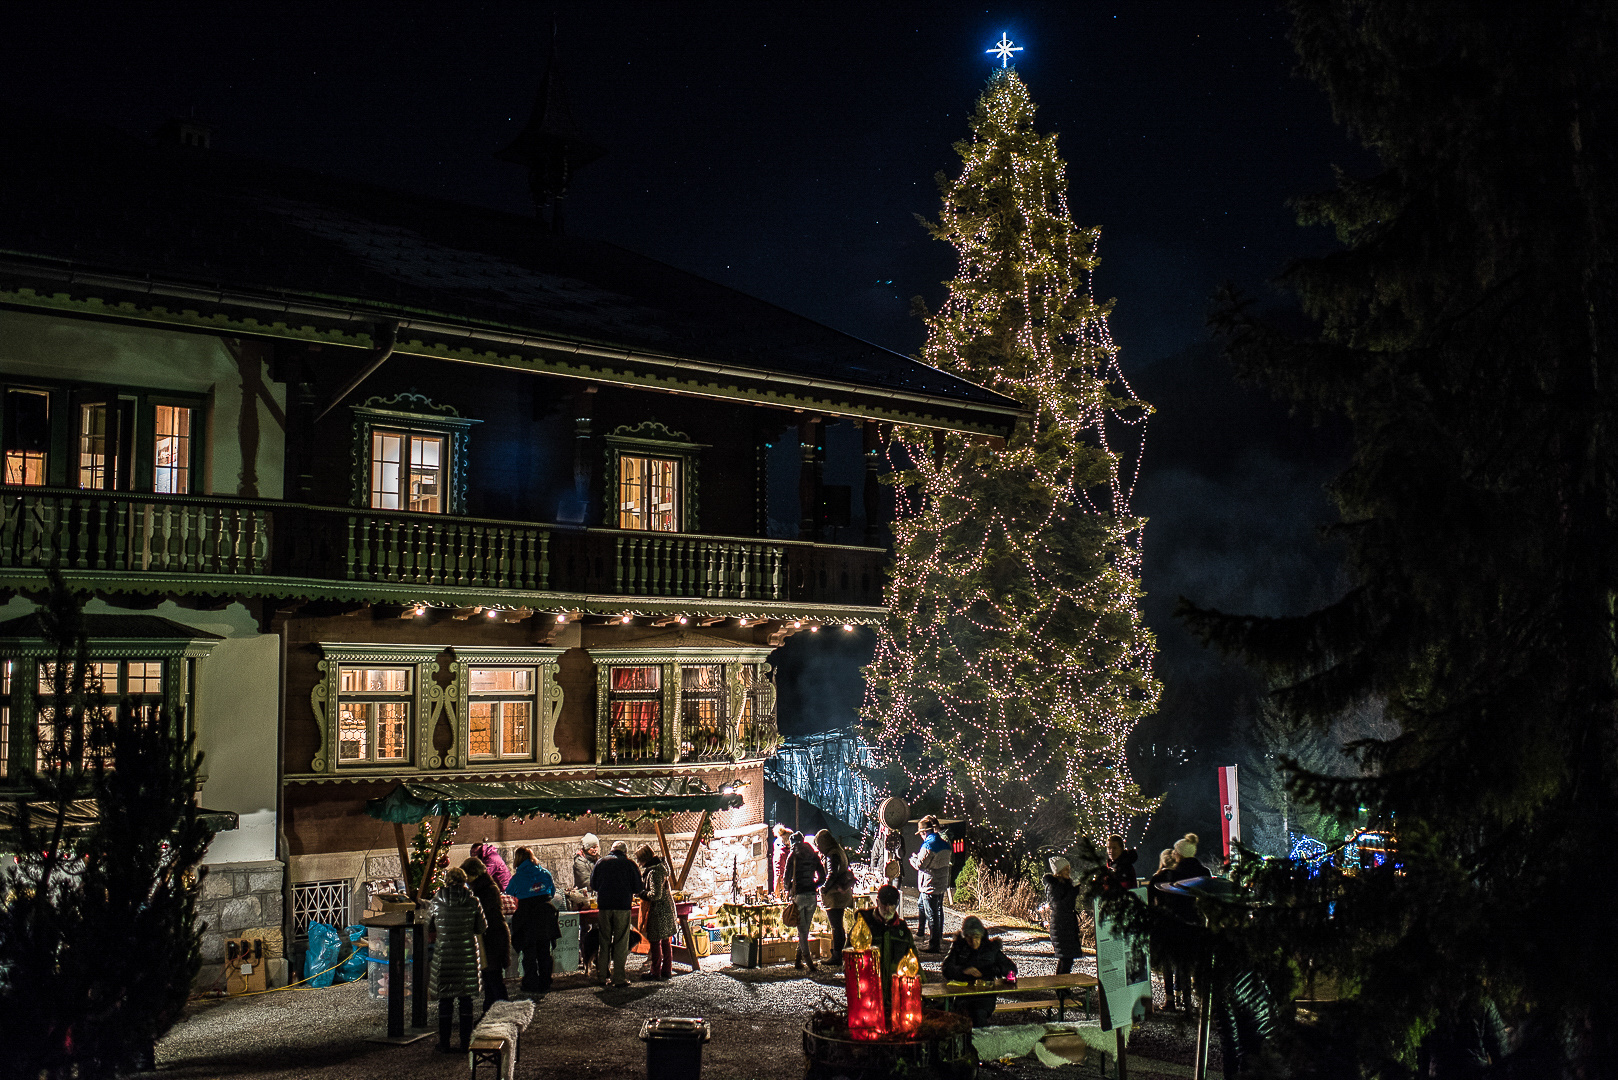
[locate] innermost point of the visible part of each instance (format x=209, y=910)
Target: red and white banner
x=1230, y=807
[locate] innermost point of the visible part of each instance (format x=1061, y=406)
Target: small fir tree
x=1014, y=663
x=99, y=941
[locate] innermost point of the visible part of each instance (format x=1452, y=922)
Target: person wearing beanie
x=1187, y=865
x=1121, y=860
x=976, y=955
x=1162, y=939
x=1184, y=908
x=584, y=863
x=1063, y=895
x=890, y=936
x=616, y=882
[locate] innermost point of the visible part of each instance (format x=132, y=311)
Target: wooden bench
x=1026, y=1006
x=1065, y=987
x=494, y=1040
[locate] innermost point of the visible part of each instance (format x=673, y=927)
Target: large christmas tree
x=1014, y=663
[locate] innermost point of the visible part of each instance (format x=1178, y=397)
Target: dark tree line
x=1466, y=328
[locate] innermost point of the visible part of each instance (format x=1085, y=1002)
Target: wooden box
x=246, y=971
x=784, y=951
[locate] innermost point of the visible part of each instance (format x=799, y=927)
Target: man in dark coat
x=890, y=935
x=616, y=881
x=975, y=956
x=1121, y=860
x=1062, y=895
x=496, y=934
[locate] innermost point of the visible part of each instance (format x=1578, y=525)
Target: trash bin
x=674, y=1047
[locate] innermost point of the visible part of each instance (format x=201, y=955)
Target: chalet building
x=368, y=487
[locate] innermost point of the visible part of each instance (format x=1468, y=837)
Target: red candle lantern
x=867, y=1016
x=907, y=996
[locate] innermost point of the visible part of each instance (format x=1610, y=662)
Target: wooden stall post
x=687, y=953
x=404, y=861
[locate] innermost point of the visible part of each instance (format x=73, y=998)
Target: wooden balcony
x=130, y=534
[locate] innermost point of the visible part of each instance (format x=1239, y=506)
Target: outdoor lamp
x=907, y=995
x=867, y=1016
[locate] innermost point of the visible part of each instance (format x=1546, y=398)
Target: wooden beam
x=691, y=853
x=404, y=860
x=663, y=841
x=422, y=892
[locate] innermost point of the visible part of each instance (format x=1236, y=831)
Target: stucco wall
x=246, y=414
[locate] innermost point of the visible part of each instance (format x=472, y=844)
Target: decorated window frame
x=652, y=440
x=546, y=694
x=425, y=700
x=26, y=657
x=412, y=414
x=746, y=702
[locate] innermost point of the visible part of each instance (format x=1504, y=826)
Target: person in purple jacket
x=489, y=855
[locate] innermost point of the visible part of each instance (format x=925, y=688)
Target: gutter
x=222, y=297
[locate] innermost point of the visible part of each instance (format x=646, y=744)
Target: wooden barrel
x=942, y=1048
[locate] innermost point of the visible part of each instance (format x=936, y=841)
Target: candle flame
x=860, y=939
x=910, y=967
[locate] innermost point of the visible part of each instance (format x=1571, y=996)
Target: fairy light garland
x=1015, y=662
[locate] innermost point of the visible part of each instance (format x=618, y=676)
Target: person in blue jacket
x=535, y=927
x=932, y=863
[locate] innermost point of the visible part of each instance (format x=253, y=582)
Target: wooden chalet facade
x=377, y=486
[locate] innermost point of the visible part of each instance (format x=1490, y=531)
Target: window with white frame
x=648, y=493
x=171, y=450
x=27, y=421
x=374, y=705
x=408, y=470
x=321, y=901
x=109, y=686
x=500, y=713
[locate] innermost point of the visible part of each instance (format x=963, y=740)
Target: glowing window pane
x=144, y=677
x=648, y=493
x=514, y=720
x=172, y=451
x=358, y=680
x=352, y=740
x=480, y=728
x=391, y=720
x=93, y=447
x=501, y=680
x=636, y=678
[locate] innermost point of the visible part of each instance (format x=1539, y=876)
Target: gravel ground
x=582, y=1029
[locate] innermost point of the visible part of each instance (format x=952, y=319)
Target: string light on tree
x=1014, y=662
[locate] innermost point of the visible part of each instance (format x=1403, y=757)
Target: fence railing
x=136, y=533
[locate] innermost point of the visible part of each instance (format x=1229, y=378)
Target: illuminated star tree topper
x=1003, y=49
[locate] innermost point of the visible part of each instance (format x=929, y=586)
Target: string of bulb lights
x=1015, y=662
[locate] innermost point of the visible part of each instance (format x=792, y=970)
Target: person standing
x=496, y=934
x=890, y=936
x=976, y=955
x=837, y=894
x=489, y=855
x=535, y=926
x=615, y=881
x=1184, y=908
x=458, y=920
x=1062, y=895
x=1161, y=944
x=932, y=863
x=584, y=863
x=782, y=839
x=1121, y=860
x=804, y=873
x=659, y=897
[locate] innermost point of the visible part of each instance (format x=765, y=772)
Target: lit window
x=648, y=493
x=172, y=457
x=5, y=717
x=500, y=714
x=702, y=712
x=373, y=714
x=407, y=471
x=93, y=447
x=109, y=686
x=635, y=713
x=27, y=436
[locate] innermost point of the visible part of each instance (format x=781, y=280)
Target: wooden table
x=1060, y=985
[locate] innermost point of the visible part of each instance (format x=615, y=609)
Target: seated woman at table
x=976, y=955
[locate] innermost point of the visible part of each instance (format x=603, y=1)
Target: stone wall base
x=241, y=900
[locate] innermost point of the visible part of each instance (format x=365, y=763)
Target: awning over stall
x=416, y=800
x=81, y=815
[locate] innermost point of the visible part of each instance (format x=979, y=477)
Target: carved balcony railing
x=130, y=533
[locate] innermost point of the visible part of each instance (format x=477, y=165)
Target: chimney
x=551, y=145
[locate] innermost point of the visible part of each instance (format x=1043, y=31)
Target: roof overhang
x=39, y=284
x=417, y=800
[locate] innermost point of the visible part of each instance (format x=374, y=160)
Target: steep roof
x=80, y=200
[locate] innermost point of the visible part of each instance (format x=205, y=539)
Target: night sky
x=785, y=149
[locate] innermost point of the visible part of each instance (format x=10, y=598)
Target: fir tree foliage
x=99, y=940
x=1014, y=663
x=1467, y=330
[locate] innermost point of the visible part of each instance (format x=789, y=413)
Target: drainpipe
x=387, y=338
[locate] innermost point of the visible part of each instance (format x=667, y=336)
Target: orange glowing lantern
x=907, y=995
x=867, y=1016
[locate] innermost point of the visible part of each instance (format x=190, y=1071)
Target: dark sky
x=784, y=149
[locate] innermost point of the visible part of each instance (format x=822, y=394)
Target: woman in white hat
x=1062, y=895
